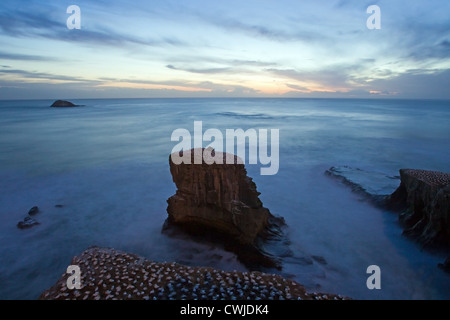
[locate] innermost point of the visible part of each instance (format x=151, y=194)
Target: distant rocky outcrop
x=63, y=104
x=221, y=201
x=425, y=196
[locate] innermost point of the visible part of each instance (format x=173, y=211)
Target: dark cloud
x=40, y=24
x=335, y=76
x=41, y=75
x=266, y=32
x=430, y=84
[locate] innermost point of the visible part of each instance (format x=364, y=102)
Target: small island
x=63, y=104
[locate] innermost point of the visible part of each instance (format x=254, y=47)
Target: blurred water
x=107, y=165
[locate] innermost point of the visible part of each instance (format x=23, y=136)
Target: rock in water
x=219, y=199
x=371, y=185
x=426, y=197
x=63, y=104
x=27, y=222
x=446, y=265
x=33, y=211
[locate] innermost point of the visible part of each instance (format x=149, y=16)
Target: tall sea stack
x=219, y=199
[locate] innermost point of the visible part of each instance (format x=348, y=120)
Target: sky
x=244, y=48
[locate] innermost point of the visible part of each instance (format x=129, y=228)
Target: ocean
x=100, y=176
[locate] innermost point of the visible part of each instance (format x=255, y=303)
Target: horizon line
x=238, y=98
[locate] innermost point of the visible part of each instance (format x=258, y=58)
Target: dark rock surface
x=33, y=211
x=63, y=104
x=221, y=201
x=27, y=222
x=446, y=265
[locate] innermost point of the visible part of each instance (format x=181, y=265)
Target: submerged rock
x=27, y=222
x=33, y=211
x=220, y=201
x=373, y=186
x=446, y=265
x=63, y=104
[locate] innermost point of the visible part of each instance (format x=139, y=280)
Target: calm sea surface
x=105, y=166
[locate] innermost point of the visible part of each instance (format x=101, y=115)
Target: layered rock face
x=426, y=195
x=220, y=197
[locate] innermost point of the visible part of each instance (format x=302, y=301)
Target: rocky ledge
x=109, y=274
x=422, y=201
x=219, y=201
x=425, y=197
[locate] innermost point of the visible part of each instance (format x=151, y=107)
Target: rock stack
x=220, y=200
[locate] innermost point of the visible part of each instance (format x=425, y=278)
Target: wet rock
x=33, y=211
x=27, y=222
x=319, y=259
x=370, y=185
x=446, y=265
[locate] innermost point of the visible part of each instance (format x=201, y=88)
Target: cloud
x=264, y=31
x=41, y=75
x=201, y=71
x=297, y=87
x=430, y=84
x=332, y=77
x=298, y=46
x=17, y=23
x=25, y=57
